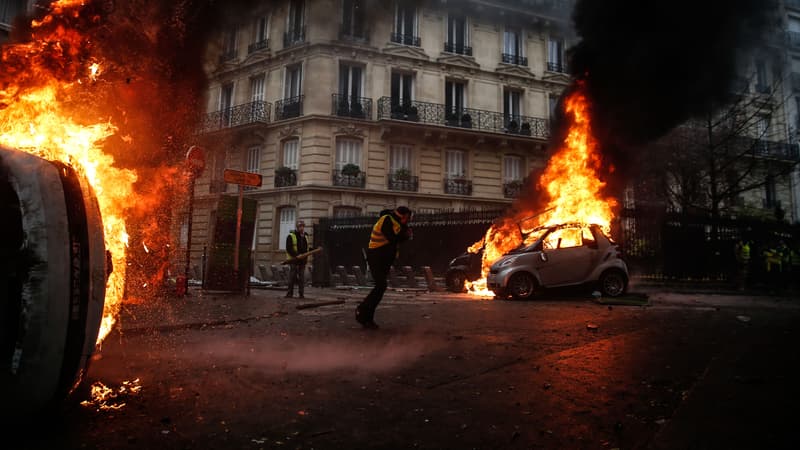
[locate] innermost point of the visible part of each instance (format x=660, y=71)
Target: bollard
x=393, y=281
x=343, y=275
x=361, y=280
x=410, y=279
x=431, y=282
x=262, y=269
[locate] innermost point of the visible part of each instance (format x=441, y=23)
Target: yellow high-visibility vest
x=293, y=235
x=377, y=239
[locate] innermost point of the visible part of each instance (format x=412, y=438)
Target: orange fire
x=573, y=187
x=37, y=115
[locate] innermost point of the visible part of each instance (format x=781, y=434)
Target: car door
x=568, y=258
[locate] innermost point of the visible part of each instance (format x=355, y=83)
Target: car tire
x=613, y=283
x=521, y=286
x=456, y=281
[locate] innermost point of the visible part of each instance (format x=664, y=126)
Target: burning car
x=464, y=267
x=560, y=255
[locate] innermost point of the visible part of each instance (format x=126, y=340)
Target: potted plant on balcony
x=466, y=121
x=513, y=127
x=451, y=119
x=402, y=174
x=284, y=176
x=525, y=129
x=351, y=170
x=412, y=114
x=357, y=110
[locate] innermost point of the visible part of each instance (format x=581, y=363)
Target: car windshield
x=532, y=240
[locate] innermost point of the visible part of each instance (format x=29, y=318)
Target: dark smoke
x=651, y=65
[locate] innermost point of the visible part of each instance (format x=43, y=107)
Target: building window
x=456, y=41
x=512, y=48
x=399, y=157
x=218, y=164
x=9, y=10
x=350, y=80
x=552, y=103
x=348, y=151
x=346, y=211
x=295, y=24
x=260, y=35
x=225, y=103
x=455, y=164
x=770, y=194
x=287, y=223
x=353, y=19
x=762, y=83
x=293, y=83
x=512, y=168
x=511, y=108
x=402, y=88
x=405, y=24
x=253, y=159
x=291, y=153
x=555, y=55
x=257, y=88
x=453, y=100
x=228, y=45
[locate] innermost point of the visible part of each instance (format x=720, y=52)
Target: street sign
x=242, y=178
x=196, y=160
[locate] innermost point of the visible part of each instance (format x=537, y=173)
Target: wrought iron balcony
x=556, y=67
x=289, y=107
x=402, y=182
x=405, y=39
x=476, y=119
x=458, y=186
x=457, y=48
x=228, y=56
x=238, y=115
x=347, y=106
x=349, y=180
x=353, y=33
x=294, y=36
x=794, y=39
x=777, y=150
x=285, y=177
x=256, y=46
x=511, y=189
x=515, y=59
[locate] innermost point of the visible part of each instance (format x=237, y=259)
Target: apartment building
x=788, y=36
x=9, y=10
x=347, y=107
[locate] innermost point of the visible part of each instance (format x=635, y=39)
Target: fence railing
x=235, y=116
x=405, y=39
x=256, y=46
x=460, y=49
x=289, y=107
x=349, y=180
x=408, y=183
x=514, y=59
x=778, y=150
x=284, y=178
x=349, y=106
x=477, y=119
x=458, y=186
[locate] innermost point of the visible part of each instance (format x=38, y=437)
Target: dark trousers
x=297, y=273
x=380, y=261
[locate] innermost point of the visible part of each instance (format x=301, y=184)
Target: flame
x=573, y=187
x=37, y=115
x=104, y=398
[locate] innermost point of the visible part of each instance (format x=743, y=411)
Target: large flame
x=37, y=115
x=572, y=184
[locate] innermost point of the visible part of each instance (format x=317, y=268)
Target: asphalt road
x=444, y=371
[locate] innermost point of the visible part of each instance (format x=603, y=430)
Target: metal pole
x=238, y=230
x=189, y=232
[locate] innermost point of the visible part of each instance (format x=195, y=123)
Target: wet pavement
x=688, y=370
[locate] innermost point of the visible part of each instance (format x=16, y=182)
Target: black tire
x=456, y=281
x=613, y=283
x=521, y=286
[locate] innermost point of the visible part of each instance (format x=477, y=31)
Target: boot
x=365, y=319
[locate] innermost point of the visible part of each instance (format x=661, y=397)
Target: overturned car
x=557, y=256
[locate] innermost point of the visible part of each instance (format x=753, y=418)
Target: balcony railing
x=256, y=46
x=347, y=106
x=289, y=107
x=348, y=180
x=778, y=150
x=476, y=119
x=794, y=39
x=227, y=56
x=511, y=189
x=294, y=36
x=402, y=183
x=405, y=39
x=284, y=178
x=556, y=67
x=457, y=48
x=238, y=115
x=351, y=33
x=514, y=59
x=458, y=186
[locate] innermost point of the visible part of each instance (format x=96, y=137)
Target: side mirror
x=543, y=256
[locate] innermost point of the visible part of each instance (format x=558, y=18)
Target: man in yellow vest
x=297, y=243
x=391, y=229
x=743, y=262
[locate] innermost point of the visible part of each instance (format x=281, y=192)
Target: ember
x=573, y=188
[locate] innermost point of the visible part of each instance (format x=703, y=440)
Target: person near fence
x=296, y=244
x=388, y=232
x=742, y=262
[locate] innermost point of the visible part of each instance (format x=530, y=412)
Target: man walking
x=391, y=229
x=296, y=244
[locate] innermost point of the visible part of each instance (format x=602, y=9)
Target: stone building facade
x=347, y=107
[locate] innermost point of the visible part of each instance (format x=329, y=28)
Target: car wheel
x=613, y=283
x=456, y=281
x=521, y=286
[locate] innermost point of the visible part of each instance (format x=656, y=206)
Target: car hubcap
x=613, y=284
x=521, y=286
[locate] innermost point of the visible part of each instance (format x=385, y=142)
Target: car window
x=588, y=237
x=563, y=238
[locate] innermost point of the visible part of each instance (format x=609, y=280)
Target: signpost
x=195, y=164
x=242, y=179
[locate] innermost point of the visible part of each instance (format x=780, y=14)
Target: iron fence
x=471, y=118
x=460, y=49
x=289, y=107
x=518, y=60
x=350, y=106
x=235, y=116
